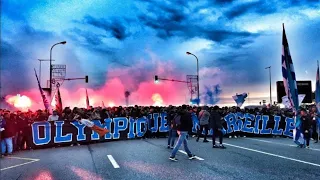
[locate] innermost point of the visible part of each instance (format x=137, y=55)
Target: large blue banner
x=65, y=132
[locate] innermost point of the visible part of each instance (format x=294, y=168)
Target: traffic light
x=87, y=79
x=156, y=79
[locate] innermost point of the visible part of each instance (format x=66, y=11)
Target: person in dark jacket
x=305, y=126
x=216, y=126
x=7, y=136
x=314, y=123
x=172, y=130
x=2, y=128
x=184, y=125
x=25, y=132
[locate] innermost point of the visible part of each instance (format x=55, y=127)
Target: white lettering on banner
x=124, y=128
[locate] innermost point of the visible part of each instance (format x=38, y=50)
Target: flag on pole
x=87, y=100
x=58, y=102
x=44, y=99
x=240, y=98
x=288, y=74
x=290, y=83
x=286, y=102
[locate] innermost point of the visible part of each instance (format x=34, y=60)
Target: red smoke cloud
x=138, y=79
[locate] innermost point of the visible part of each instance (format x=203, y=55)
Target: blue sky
x=234, y=41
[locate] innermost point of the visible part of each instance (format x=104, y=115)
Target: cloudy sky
x=121, y=45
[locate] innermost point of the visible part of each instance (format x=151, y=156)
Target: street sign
x=59, y=71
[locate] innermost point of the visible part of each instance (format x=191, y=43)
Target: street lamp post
x=40, y=60
x=50, y=80
x=270, y=83
x=198, y=88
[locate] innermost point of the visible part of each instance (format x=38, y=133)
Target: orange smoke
x=157, y=99
x=20, y=102
x=111, y=104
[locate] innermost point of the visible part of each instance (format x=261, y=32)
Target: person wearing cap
x=54, y=116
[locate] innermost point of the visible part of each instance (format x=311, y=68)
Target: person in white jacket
x=54, y=116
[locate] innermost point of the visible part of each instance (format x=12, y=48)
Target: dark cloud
x=34, y=34
x=239, y=65
x=19, y=58
x=90, y=41
x=261, y=7
x=91, y=38
x=173, y=19
x=291, y=3
x=222, y=2
x=117, y=28
x=13, y=68
x=265, y=7
x=224, y=35
x=239, y=43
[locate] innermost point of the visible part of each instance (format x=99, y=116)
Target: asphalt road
x=244, y=158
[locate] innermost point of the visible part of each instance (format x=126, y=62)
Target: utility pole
x=40, y=60
x=270, y=83
x=198, y=88
x=50, y=86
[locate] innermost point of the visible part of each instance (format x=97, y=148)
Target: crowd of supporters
x=16, y=125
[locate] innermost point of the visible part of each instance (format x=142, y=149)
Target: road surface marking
x=113, y=162
x=10, y=167
x=280, y=143
x=13, y=157
x=270, y=154
x=199, y=158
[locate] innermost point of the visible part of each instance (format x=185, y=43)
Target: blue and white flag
x=286, y=102
x=290, y=83
x=240, y=98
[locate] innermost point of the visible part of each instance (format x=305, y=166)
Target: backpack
x=176, y=122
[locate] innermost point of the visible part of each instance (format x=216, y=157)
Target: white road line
x=10, y=167
x=13, y=157
x=270, y=154
x=280, y=143
x=183, y=152
x=113, y=162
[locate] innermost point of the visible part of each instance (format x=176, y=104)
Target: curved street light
x=62, y=42
x=198, y=88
